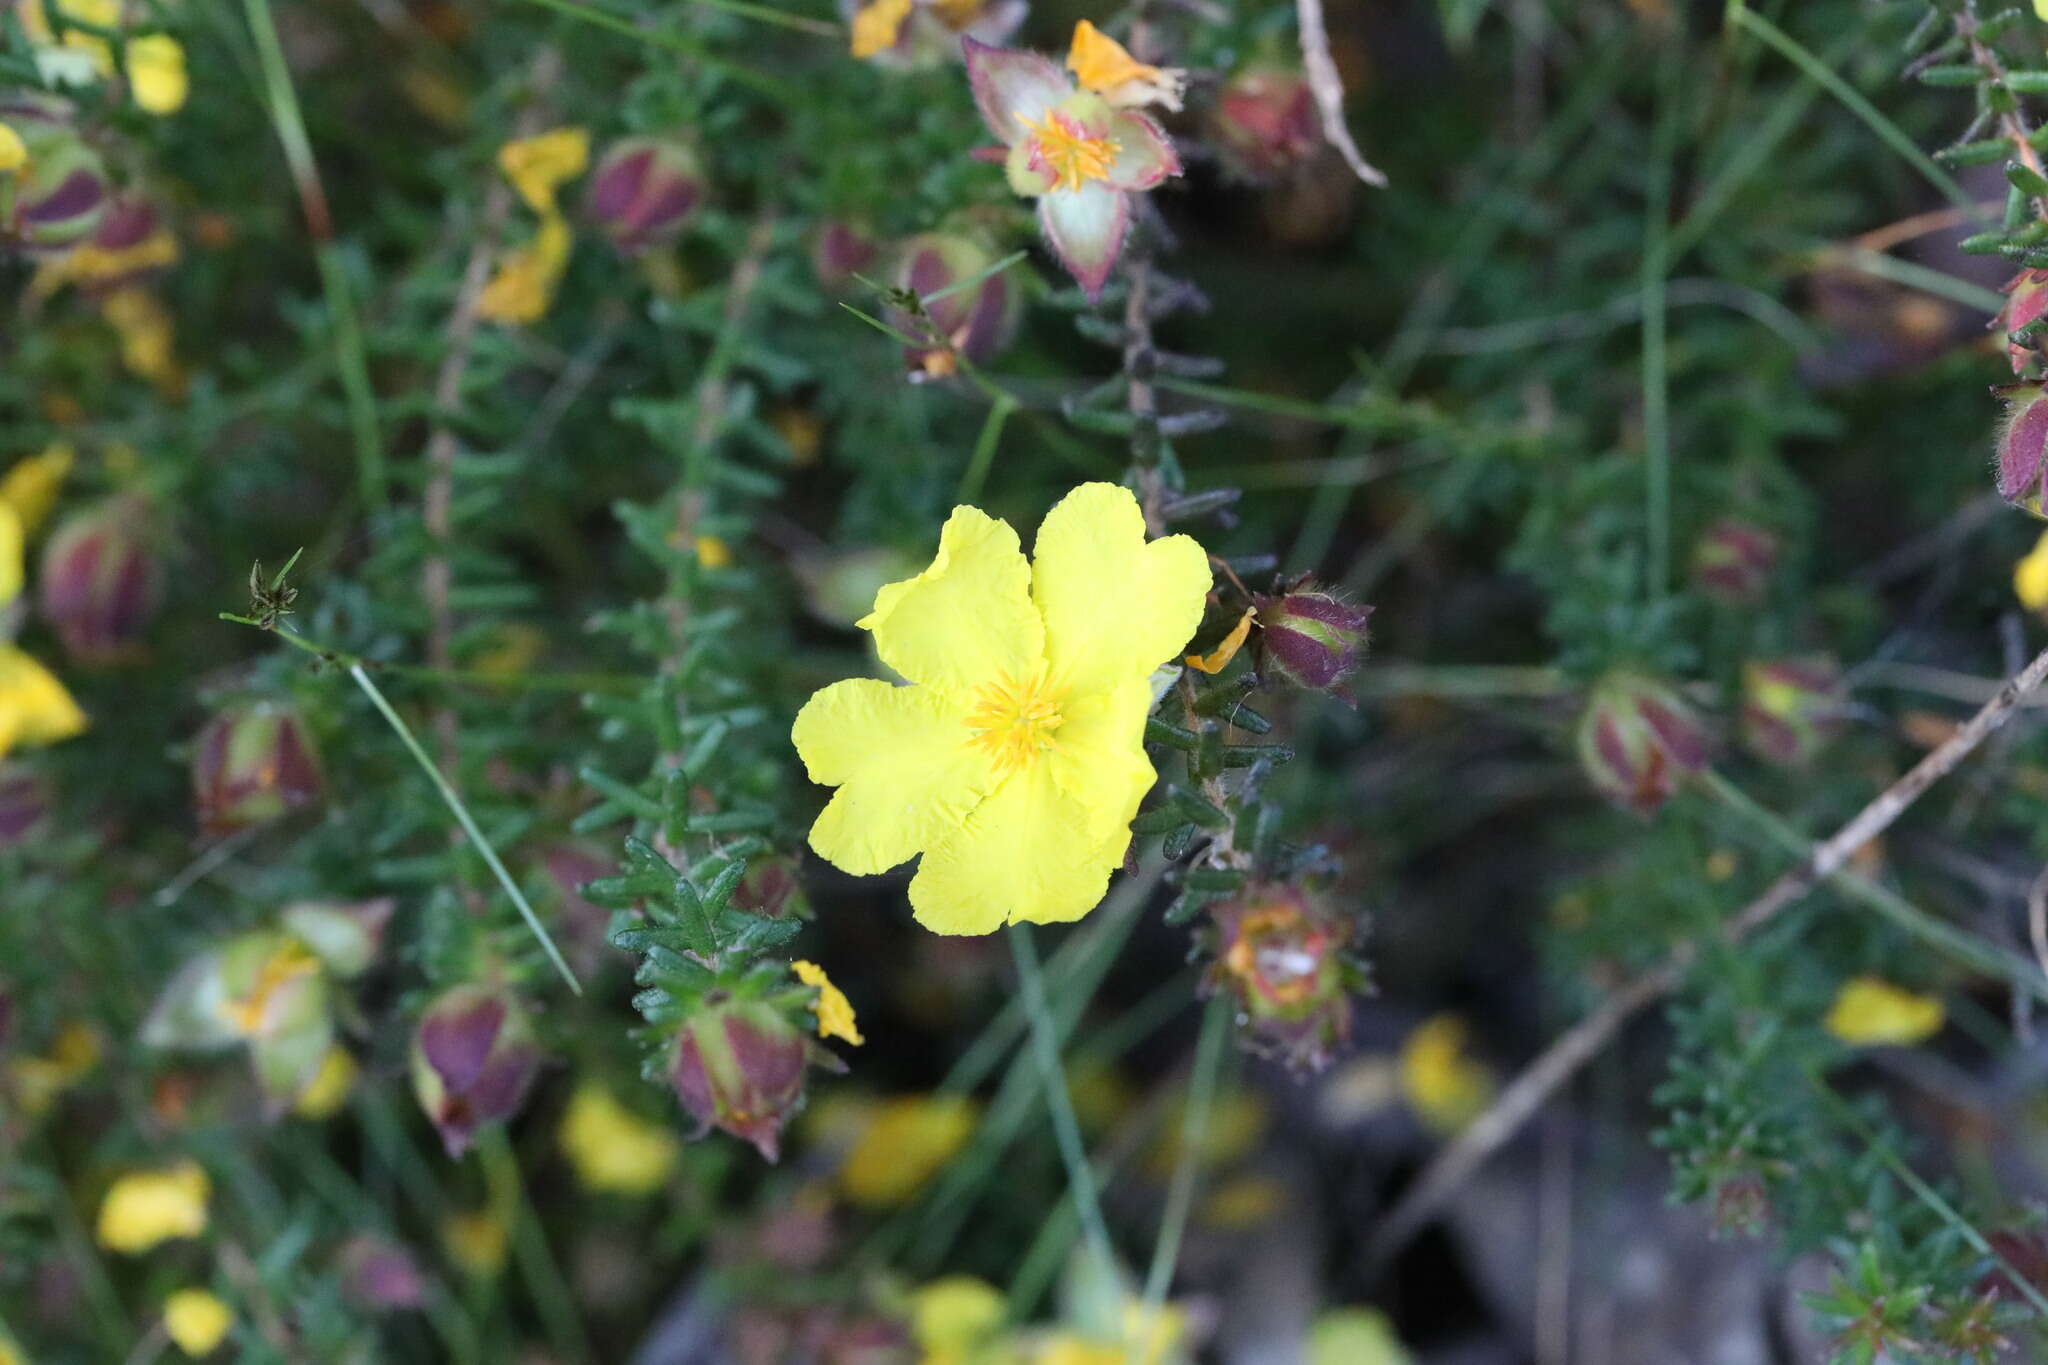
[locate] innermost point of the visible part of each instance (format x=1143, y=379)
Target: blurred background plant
x=441, y=445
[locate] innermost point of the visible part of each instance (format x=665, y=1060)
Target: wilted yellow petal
x=145, y=1208
x=156, y=73
x=197, y=1322
x=1100, y=63
x=834, y=1010
x=877, y=26
x=537, y=166
x=1215, y=660
x=524, y=285
x=1871, y=1012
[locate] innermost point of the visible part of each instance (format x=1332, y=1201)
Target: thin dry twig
x=1527, y=1093
x=1328, y=87
x=2037, y=918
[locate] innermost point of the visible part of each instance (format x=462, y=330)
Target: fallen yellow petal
x=834, y=1011
x=1215, y=660
x=1100, y=63
x=537, y=166
x=1871, y=1012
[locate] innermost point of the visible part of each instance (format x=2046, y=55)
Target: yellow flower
x=13, y=151
x=156, y=73
x=713, y=552
x=1355, y=1336
x=525, y=283
x=476, y=1241
x=835, y=1013
x=612, y=1148
x=876, y=27
x=197, y=1321
x=538, y=166
x=1016, y=760
x=34, y=707
x=148, y=339
x=30, y=486
x=950, y=1317
x=1446, y=1088
x=328, y=1090
x=1871, y=1012
x=2030, y=576
x=146, y=1208
x=1215, y=660
x=1100, y=63
x=905, y=1144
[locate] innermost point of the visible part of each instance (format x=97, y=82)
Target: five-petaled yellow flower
x=1016, y=759
x=834, y=1010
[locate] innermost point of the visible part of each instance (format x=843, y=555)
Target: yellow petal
x=31, y=485
x=1100, y=63
x=2030, y=576
x=834, y=1010
x=1446, y=1087
x=905, y=770
x=1870, y=1012
x=904, y=1145
x=328, y=1090
x=537, y=166
x=1115, y=606
x=156, y=73
x=968, y=619
x=34, y=707
x=1098, y=755
x=1023, y=854
x=144, y=1208
x=13, y=151
x=1215, y=659
x=876, y=27
x=525, y=283
x=12, y=536
x=196, y=1321
x=614, y=1149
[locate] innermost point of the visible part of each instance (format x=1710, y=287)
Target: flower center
x=1013, y=721
x=1060, y=147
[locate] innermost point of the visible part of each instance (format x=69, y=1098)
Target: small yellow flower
x=328, y=1090
x=1100, y=63
x=876, y=27
x=30, y=486
x=144, y=1209
x=2030, y=576
x=904, y=1145
x=614, y=1149
x=476, y=1241
x=713, y=552
x=148, y=338
x=1215, y=660
x=539, y=166
x=1016, y=759
x=835, y=1013
x=13, y=151
x=197, y=1321
x=1446, y=1088
x=1355, y=1336
x=525, y=282
x=950, y=1317
x=34, y=707
x=1871, y=1012
x=156, y=73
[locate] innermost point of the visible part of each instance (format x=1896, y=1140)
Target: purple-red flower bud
x=1637, y=739
x=1281, y=957
x=254, y=763
x=1734, y=560
x=2026, y=299
x=643, y=191
x=1311, y=637
x=1791, y=707
x=1266, y=123
x=57, y=199
x=976, y=322
x=2023, y=445
x=839, y=251
x=102, y=580
x=473, y=1057
x=739, y=1066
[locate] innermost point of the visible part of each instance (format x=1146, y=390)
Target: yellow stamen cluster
x=1014, y=721
x=1062, y=147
